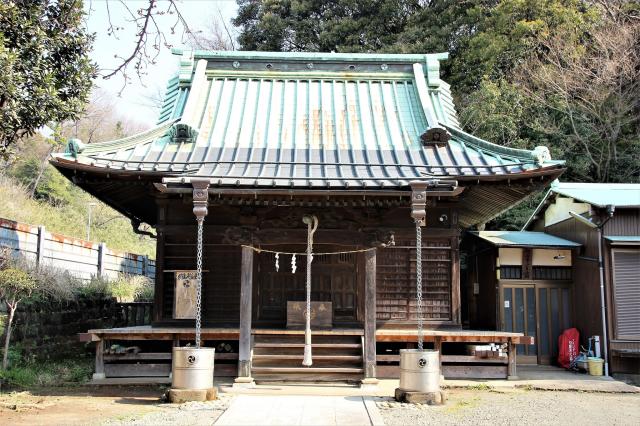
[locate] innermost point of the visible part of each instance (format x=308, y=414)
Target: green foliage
x=70, y=218
x=129, y=288
x=515, y=218
x=320, y=25
x=35, y=373
x=51, y=284
x=45, y=71
x=15, y=284
x=52, y=186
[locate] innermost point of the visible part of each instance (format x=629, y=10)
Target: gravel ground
x=190, y=413
x=475, y=407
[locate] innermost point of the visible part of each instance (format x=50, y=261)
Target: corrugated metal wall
x=81, y=258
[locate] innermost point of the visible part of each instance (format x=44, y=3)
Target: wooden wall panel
x=221, y=279
x=396, y=281
x=573, y=230
x=586, y=298
x=623, y=222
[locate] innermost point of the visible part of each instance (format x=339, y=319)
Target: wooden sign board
x=321, y=314
x=184, y=305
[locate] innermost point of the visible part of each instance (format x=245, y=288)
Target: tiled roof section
x=337, y=120
x=173, y=101
x=600, y=194
x=523, y=239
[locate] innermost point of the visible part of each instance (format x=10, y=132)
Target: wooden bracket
x=200, y=197
x=419, y=201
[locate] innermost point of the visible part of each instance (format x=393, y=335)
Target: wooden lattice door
x=334, y=279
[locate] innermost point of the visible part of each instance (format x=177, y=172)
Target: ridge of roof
x=119, y=144
x=539, y=154
x=317, y=56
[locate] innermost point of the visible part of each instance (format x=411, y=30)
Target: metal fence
x=84, y=259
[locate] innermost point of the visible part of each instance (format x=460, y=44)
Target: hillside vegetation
x=33, y=192
x=70, y=218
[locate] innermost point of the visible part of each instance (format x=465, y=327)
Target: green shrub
x=47, y=374
x=129, y=288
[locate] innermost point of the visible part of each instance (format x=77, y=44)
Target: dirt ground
x=142, y=406
x=104, y=405
x=517, y=406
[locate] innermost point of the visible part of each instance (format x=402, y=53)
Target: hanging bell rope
x=312, y=225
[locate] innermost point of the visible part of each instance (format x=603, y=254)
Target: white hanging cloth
x=312, y=225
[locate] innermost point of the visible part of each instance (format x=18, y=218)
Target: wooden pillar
x=456, y=310
x=246, y=282
x=370, y=317
x=512, y=374
x=158, y=295
x=99, y=373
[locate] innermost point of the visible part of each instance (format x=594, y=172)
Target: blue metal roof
x=623, y=239
x=600, y=194
x=523, y=239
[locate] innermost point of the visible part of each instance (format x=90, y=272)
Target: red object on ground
x=568, y=347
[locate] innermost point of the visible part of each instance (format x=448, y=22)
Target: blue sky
x=133, y=101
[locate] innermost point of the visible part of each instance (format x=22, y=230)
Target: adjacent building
x=605, y=220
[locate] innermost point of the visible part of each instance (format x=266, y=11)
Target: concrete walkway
x=300, y=410
x=546, y=377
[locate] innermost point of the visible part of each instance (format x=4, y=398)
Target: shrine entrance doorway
x=335, y=279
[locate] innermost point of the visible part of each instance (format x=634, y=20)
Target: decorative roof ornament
x=186, y=67
x=541, y=154
x=435, y=136
x=75, y=147
x=182, y=133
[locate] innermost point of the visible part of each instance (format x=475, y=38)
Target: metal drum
x=192, y=368
x=419, y=370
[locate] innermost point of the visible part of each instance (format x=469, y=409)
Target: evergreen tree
x=45, y=71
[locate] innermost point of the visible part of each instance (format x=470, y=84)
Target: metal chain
x=199, y=282
x=419, y=283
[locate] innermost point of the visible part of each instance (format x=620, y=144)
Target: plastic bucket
x=595, y=366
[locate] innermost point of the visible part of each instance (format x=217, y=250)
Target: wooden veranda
x=157, y=363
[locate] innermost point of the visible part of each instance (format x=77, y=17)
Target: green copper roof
x=315, y=120
x=309, y=119
x=523, y=239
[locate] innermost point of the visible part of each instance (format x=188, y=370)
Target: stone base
x=178, y=396
x=98, y=376
x=430, y=398
x=244, y=383
x=369, y=383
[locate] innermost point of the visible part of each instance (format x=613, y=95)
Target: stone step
x=307, y=370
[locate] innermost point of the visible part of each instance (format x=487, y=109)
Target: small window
x=508, y=272
x=551, y=272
